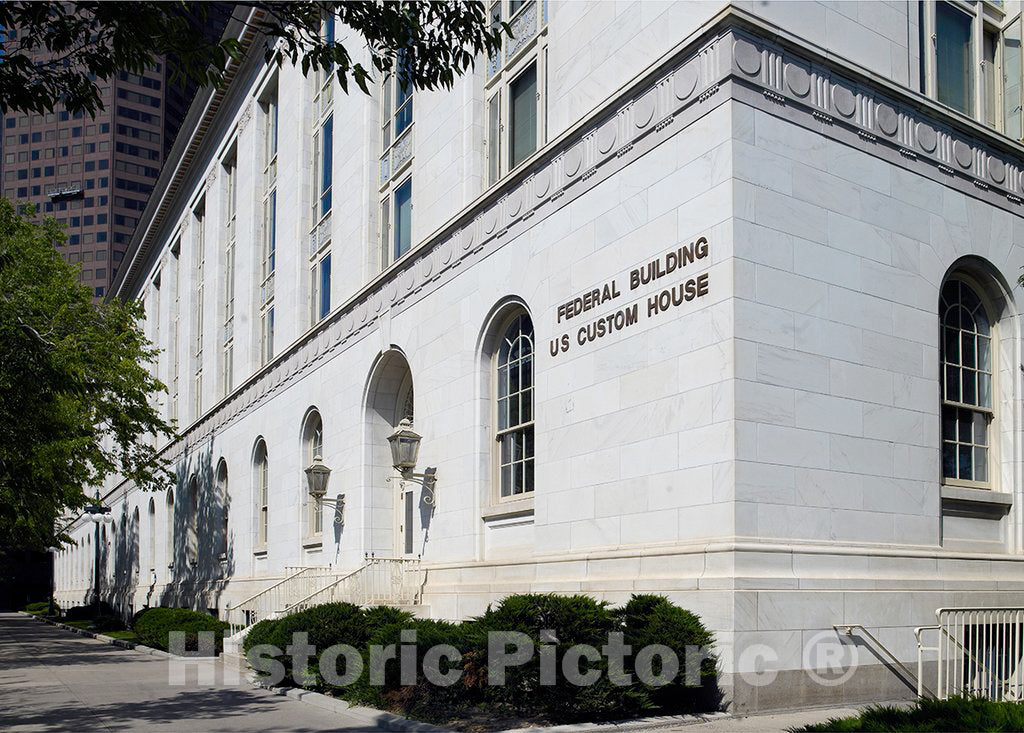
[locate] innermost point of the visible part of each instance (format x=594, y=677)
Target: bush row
x=578, y=619
x=154, y=625
x=41, y=608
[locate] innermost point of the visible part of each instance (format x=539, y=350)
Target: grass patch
x=955, y=715
x=122, y=635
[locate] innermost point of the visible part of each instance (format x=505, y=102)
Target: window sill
x=312, y=543
x=980, y=503
x=508, y=509
x=260, y=552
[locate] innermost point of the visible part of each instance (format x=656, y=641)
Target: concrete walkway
x=52, y=680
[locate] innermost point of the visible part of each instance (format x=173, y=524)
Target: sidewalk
x=51, y=680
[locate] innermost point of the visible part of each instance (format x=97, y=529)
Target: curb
x=391, y=722
x=661, y=721
x=127, y=645
x=375, y=719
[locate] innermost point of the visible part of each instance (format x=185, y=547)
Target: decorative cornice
x=877, y=117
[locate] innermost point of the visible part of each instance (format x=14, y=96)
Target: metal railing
x=297, y=583
x=979, y=652
x=391, y=581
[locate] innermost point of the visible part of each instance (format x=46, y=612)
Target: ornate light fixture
x=317, y=476
x=405, y=449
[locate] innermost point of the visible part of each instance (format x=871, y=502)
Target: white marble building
x=766, y=254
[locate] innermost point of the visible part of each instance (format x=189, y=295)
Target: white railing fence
x=978, y=652
x=297, y=583
x=391, y=581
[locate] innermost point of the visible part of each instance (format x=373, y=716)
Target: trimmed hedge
x=154, y=625
x=88, y=612
x=556, y=623
x=41, y=608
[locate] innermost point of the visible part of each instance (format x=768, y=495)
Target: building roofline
x=178, y=166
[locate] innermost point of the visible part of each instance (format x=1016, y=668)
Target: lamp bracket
x=338, y=504
x=427, y=479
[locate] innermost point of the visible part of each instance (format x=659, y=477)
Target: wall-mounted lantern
x=317, y=476
x=405, y=449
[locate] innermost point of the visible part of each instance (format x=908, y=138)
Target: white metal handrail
x=391, y=581
x=264, y=604
x=979, y=652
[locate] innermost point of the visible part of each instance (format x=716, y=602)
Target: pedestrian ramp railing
x=298, y=583
x=978, y=652
x=379, y=581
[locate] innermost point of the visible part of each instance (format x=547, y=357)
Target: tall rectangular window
x=953, y=58
x=269, y=228
x=173, y=357
x=515, y=86
x=396, y=161
x=320, y=225
x=231, y=200
x=197, y=328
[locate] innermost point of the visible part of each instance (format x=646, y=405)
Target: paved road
x=53, y=680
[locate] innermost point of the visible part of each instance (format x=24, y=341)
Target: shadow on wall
x=202, y=557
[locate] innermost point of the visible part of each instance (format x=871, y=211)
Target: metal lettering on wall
x=659, y=302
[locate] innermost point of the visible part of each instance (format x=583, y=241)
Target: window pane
x=1012, y=77
x=948, y=423
x=528, y=479
x=949, y=460
x=523, y=113
x=951, y=346
x=494, y=138
x=965, y=471
x=969, y=394
x=952, y=384
x=327, y=164
x=385, y=226
x=981, y=464
x=325, y=286
x=984, y=353
x=966, y=420
x=403, y=218
x=526, y=405
x=967, y=348
x=984, y=390
x=980, y=428
x=989, y=46
x=506, y=480
x=953, y=57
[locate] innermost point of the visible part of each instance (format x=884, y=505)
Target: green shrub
x=650, y=619
x=136, y=615
x=108, y=623
x=41, y=608
x=954, y=714
x=155, y=624
x=88, y=612
x=574, y=620
x=421, y=699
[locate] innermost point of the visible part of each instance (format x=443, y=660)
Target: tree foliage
x=75, y=392
x=63, y=53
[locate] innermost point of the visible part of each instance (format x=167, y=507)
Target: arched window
x=967, y=404
x=261, y=480
x=170, y=528
x=151, y=555
x=313, y=445
x=136, y=561
x=222, y=492
x=514, y=381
